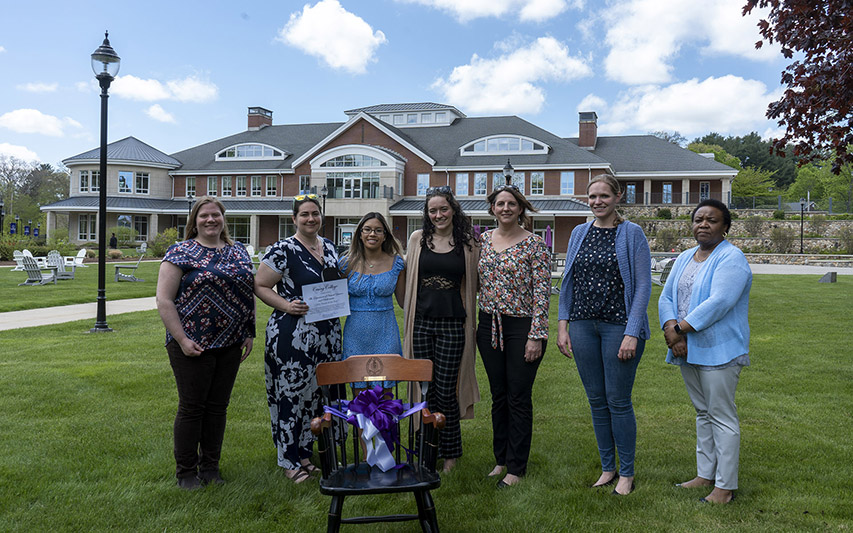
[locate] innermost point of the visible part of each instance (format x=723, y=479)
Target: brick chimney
x=588, y=129
x=259, y=118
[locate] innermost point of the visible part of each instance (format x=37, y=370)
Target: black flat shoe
x=503, y=484
x=189, y=483
x=210, y=477
x=607, y=484
x=620, y=494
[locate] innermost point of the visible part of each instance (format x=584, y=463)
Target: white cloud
x=34, y=121
x=192, y=89
x=726, y=105
x=526, y=10
x=21, y=152
x=157, y=112
x=511, y=83
x=38, y=87
x=645, y=36
x=87, y=86
x=593, y=102
x=333, y=34
x=189, y=89
x=2, y=49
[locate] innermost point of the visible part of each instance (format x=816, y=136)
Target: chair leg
x=335, y=509
x=426, y=512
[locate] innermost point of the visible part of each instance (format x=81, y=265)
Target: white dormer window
x=252, y=151
x=505, y=145
x=440, y=117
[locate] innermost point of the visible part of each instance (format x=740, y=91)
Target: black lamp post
x=2, y=214
x=802, y=208
x=323, y=192
x=509, y=172
x=105, y=64
x=190, y=198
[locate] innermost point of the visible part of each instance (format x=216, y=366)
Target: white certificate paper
x=327, y=299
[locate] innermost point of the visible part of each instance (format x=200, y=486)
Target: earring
x=725, y=234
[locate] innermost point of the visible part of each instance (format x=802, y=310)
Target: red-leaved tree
x=816, y=106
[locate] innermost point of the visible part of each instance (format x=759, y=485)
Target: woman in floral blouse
x=206, y=340
x=603, y=321
x=515, y=286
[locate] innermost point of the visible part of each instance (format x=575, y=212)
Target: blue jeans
x=608, y=382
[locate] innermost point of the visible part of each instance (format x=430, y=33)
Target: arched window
x=250, y=151
x=353, y=160
x=505, y=144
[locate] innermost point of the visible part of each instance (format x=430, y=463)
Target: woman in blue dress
x=376, y=272
x=294, y=348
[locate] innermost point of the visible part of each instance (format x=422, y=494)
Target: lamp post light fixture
x=802, y=209
x=105, y=65
x=190, y=198
x=509, y=172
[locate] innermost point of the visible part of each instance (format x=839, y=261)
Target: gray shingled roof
x=562, y=205
x=293, y=139
x=127, y=149
x=444, y=144
x=422, y=106
x=647, y=153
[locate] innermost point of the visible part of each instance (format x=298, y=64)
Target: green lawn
x=86, y=421
x=82, y=289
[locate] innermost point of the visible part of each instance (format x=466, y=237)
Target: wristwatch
x=677, y=329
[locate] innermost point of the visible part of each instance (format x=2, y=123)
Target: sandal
x=310, y=468
x=297, y=476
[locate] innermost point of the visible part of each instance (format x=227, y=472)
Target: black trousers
x=204, y=390
x=511, y=384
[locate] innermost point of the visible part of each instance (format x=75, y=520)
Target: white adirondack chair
x=76, y=260
x=34, y=273
x=142, y=248
x=19, y=260
x=121, y=276
x=41, y=262
x=57, y=261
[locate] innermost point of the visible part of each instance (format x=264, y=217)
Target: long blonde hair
x=615, y=188
x=191, y=230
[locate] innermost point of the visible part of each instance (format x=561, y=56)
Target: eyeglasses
x=507, y=186
x=376, y=231
x=442, y=189
x=305, y=197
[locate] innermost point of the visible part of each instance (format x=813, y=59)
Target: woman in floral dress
x=294, y=348
x=515, y=288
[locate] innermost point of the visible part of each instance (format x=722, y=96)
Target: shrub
x=734, y=214
x=779, y=214
x=845, y=239
x=753, y=225
x=665, y=213
x=666, y=239
x=114, y=254
x=10, y=243
x=162, y=242
x=781, y=240
x=126, y=236
x=818, y=224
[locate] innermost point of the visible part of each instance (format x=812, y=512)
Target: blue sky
x=190, y=69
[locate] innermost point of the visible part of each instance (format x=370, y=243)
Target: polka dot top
x=599, y=289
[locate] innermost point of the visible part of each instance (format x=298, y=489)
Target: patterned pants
x=442, y=341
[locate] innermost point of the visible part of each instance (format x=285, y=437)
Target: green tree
x=720, y=154
x=751, y=150
x=751, y=181
x=670, y=136
x=817, y=182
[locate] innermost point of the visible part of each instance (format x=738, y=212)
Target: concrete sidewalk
x=70, y=313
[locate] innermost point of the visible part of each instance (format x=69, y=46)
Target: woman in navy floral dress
x=204, y=295
x=294, y=348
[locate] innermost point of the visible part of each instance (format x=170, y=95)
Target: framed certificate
x=327, y=299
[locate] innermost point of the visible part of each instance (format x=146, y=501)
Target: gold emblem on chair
x=373, y=367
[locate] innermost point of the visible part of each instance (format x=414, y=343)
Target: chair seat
x=364, y=479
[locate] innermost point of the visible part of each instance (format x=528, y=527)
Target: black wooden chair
x=345, y=472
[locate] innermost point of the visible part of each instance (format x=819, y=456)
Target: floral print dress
x=294, y=349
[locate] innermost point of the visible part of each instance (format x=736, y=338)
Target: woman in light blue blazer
x=703, y=311
x=603, y=322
